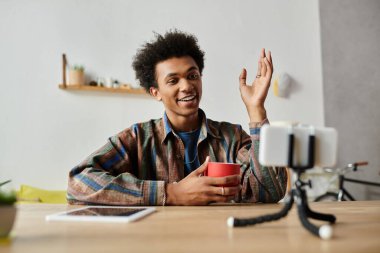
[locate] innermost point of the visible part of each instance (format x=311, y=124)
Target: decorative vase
x=7, y=218
x=76, y=77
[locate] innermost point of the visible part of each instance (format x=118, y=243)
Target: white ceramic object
x=281, y=85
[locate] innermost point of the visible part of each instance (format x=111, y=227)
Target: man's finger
x=271, y=63
x=262, y=53
x=263, y=67
x=228, y=180
x=258, y=69
x=243, y=77
x=269, y=68
x=226, y=190
x=218, y=199
x=269, y=56
x=202, y=168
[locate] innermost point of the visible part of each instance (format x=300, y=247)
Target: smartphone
x=274, y=145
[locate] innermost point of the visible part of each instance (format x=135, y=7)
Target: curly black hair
x=173, y=44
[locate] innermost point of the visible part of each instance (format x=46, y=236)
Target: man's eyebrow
x=174, y=74
x=192, y=68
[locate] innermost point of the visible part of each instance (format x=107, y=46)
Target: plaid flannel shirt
x=133, y=167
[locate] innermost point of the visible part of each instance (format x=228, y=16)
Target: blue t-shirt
x=190, y=141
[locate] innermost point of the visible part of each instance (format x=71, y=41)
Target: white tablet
x=103, y=214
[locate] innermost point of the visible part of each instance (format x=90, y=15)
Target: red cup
x=215, y=169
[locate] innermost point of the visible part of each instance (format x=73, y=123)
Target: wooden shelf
x=103, y=89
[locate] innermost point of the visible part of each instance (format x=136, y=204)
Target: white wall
x=46, y=131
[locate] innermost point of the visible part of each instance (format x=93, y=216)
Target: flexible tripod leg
x=312, y=214
x=324, y=232
x=235, y=222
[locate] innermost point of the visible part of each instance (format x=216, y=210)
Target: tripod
x=298, y=194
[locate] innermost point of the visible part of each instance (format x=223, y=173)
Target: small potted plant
x=7, y=209
x=76, y=75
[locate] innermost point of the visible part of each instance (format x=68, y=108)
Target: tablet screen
x=109, y=211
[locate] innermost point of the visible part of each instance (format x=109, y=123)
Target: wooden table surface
x=197, y=229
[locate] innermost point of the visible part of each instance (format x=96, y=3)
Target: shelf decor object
x=104, y=89
x=76, y=75
x=8, y=210
x=80, y=86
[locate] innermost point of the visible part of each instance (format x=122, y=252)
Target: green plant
x=77, y=67
x=7, y=197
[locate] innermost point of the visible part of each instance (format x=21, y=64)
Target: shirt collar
x=206, y=128
x=167, y=126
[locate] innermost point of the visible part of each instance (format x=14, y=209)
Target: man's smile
x=187, y=98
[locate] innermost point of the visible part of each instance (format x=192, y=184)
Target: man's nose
x=186, y=85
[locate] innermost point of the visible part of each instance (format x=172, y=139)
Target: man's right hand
x=196, y=189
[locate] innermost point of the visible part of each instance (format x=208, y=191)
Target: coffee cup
x=217, y=169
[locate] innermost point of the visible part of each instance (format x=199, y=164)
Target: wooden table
x=197, y=229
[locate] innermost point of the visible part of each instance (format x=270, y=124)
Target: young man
x=161, y=162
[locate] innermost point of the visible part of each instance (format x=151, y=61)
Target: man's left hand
x=254, y=95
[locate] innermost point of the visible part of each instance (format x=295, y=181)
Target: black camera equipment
x=298, y=194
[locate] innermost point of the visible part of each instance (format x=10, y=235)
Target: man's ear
x=155, y=93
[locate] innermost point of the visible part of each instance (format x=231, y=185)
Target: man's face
x=179, y=86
